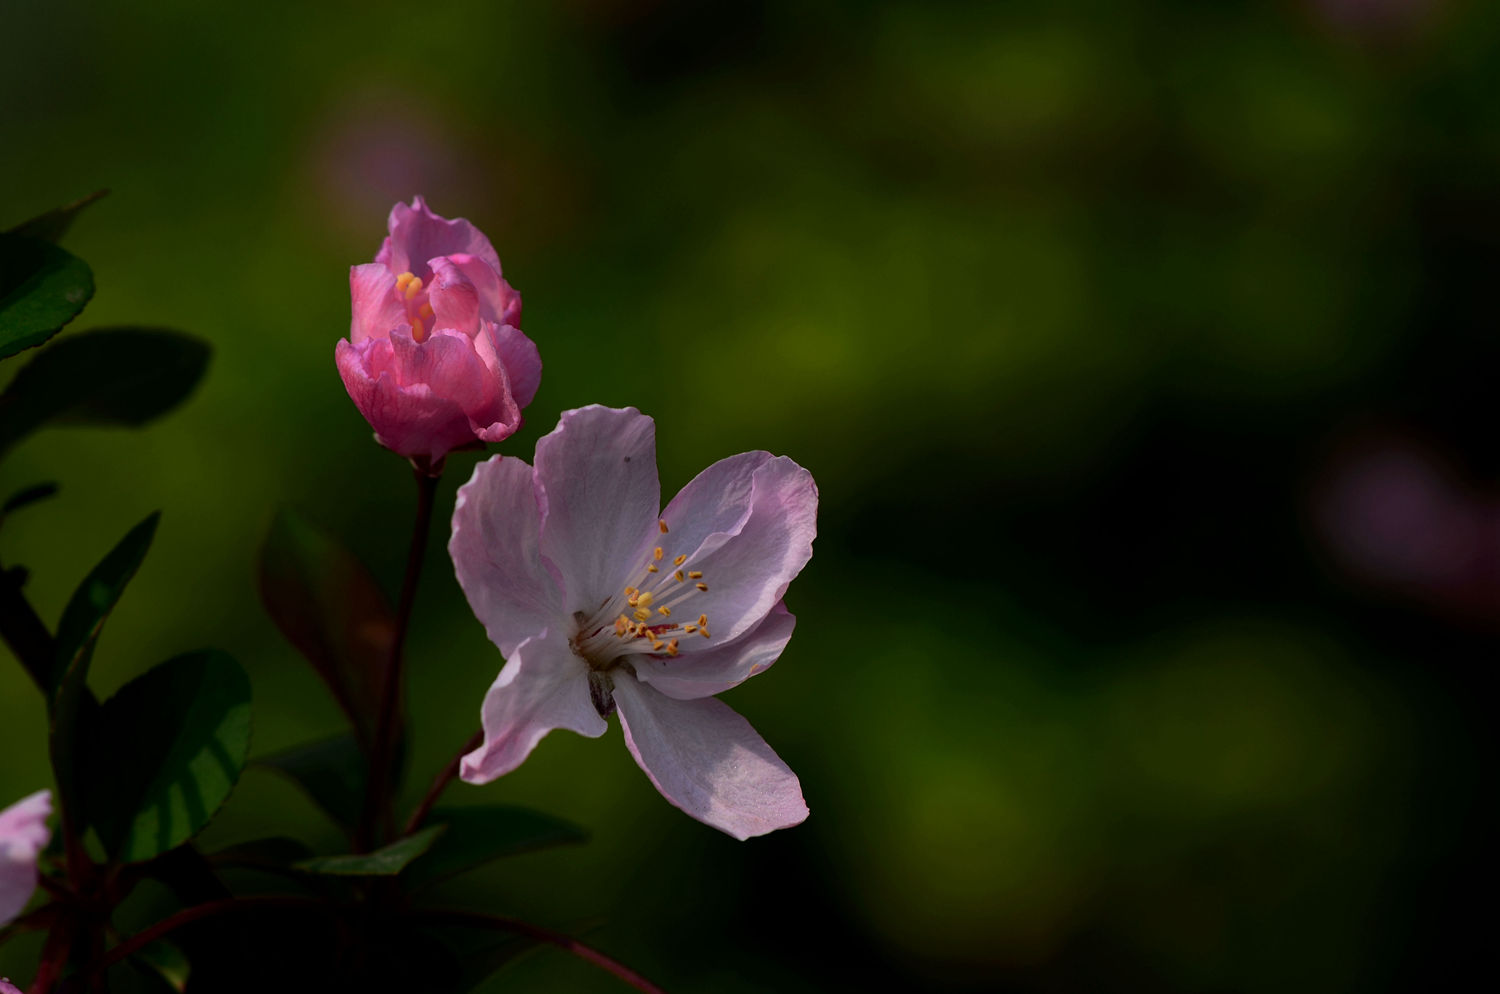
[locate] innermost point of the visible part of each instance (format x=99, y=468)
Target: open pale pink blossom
x=435, y=358
x=602, y=601
x=23, y=835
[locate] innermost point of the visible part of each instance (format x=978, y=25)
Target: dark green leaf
x=71, y=706
x=166, y=963
x=42, y=288
x=474, y=954
x=112, y=376
x=478, y=835
x=331, y=772
x=30, y=495
x=170, y=748
x=51, y=226
x=386, y=862
x=329, y=606
x=274, y=853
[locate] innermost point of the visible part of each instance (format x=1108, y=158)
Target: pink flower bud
x=435, y=358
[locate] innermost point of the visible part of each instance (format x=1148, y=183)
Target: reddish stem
x=383, y=756
x=187, y=916
x=440, y=783
x=561, y=940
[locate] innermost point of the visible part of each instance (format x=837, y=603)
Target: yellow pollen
x=690, y=629
x=696, y=574
x=652, y=568
x=641, y=614
x=679, y=560
x=678, y=574
x=702, y=621
x=630, y=590
x=657, y=553
x=403, y=280
x=640, y=630
x=622, y=625
x=644, y=598
x=413, y=288
x=632, y=599
x=663, y=526
x=418, y=331
x=703, y=632
x=665, y=612
x=426, y=312
x=702, y=586
x=672, y=648
x=656, y=645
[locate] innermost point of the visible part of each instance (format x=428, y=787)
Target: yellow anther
x=426, y=311
x=631, y=591
x=703, y=632
x=679, y=560
x=622, y=625
x=696, y=574
x=702, y=621
x=641, y=614
x=672, y=648
x=678, y=574
x=665, y=612
x=418, y=331
x=702, y=586
x=657, y=553
x=403, y=280
x=644, y=598
x=657, y=645
x=652, y=568
x=413, y=288
x=640, y=629
x=631, y=599
x=663, y=526
x=690, y=629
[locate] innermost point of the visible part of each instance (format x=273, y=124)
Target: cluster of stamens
x=652, y=605
x=409, y=288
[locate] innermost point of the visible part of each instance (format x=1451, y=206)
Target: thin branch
x=440, y=783
x=187, y=916
x=383, y=756
x=561, y=940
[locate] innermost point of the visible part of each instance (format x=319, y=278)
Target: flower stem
x=387, y=731
x=440, y=783
x=559, y=939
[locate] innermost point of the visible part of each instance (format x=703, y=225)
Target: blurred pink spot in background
x=1393, y=516
x=377, y=146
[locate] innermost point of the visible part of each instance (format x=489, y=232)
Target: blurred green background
x=1143, y=354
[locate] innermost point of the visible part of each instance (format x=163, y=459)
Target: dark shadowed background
x=1143, y=353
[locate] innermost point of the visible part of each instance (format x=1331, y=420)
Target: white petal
x=689, y=676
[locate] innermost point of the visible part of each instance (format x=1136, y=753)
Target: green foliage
x=328, y=605
x=42, y=288
x=52, y=225
x=332, y=772
x=169, y=749
x=77, y=633
x=116, y=376
x=479, y=835
x=384, y=862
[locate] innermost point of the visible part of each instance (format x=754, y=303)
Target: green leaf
x=51, y=226
x=30, y=495
x=42, y=288
x=274, y=853
x=111, y=376
x=479, y=835
x=170, y=747
x=329, y=606
x=71, y=707
x=476, y=954
x=385, y=862
x=331, y=772
x=166, y=963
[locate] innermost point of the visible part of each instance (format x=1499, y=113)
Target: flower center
x=412, y=294
x=648, y=615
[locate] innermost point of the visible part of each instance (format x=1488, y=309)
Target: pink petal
x=454, y=298
x=523, y=364
x=596, y=482
x=377, y=311
x=498, y=300
x=542, y=687
x=23, y=834
x=764, y=539
x=704, y=673
x=496, y=554
x=708, y=761
x=7, y=988
x=417, y=235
